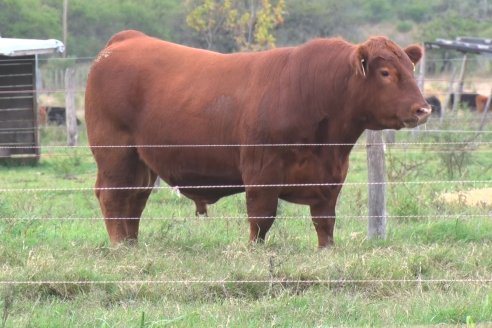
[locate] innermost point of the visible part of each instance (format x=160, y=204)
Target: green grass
x=176, y=246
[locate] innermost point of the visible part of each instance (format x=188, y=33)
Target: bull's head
x=388, y=93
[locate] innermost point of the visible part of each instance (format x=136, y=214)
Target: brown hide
x=144, y=91
x=480, y=102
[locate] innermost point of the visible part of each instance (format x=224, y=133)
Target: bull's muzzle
x=420, y=114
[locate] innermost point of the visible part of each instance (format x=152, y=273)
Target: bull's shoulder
x=125, y=35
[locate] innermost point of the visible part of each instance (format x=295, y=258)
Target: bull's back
x=139, y=81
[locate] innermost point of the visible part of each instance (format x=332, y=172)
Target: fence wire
x=245, y=217
x=243, y=186
x=265, y=145
x=254, y=281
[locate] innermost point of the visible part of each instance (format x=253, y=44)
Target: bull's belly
x=200, y=174
x=305, y=195
x=206, y=174
x=208, y=189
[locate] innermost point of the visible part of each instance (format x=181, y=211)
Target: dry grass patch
x=473, y=197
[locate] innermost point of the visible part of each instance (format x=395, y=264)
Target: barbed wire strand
x=91, y=58
x=448, y=143
x=82, y=90
x=31, y=129
x=243, y=186
x=390, y=150
x=247, y=281
x=244, y=217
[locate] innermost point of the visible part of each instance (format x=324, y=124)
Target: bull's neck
x=326, y=90
x=340, y=133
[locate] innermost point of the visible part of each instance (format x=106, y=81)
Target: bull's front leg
x=323, y=216
x=261, y=204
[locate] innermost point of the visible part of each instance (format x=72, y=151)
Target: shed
x=19, y=138
x=473, y=45
x=465, y=45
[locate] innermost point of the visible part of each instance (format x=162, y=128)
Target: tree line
x=234, y=25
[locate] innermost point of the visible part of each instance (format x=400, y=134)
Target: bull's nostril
x=423, y=111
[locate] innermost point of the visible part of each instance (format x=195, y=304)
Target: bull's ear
x=360, y=60
x=414, y=52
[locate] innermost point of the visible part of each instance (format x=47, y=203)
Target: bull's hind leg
x=121, y=168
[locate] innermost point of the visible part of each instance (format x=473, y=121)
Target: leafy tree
x=212, y=20
x=236, y=25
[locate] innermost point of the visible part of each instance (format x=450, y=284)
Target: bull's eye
x=385, y=73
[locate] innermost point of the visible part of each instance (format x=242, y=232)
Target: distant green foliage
x=29, y=19
x=404, y=26
x=91, y=24
x=417, y=11
x=455, y=25
x=377, y=10
x=232, y=25
x=315, y=18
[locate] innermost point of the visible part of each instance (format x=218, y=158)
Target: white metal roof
x=464, y=44
x=22, y=47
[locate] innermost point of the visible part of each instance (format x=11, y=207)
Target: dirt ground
x=474, y=197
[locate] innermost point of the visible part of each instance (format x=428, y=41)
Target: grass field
x=201, y=272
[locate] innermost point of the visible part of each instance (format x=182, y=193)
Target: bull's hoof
x=203, y=214
x=326, y=245
x=127, y=242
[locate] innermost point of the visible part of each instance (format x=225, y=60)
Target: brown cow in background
x=480, y=102
x=143, y=91
x=474, y=101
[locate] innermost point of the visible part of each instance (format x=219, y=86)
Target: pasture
x=57, y=268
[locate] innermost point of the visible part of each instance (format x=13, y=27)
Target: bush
x=404, y=27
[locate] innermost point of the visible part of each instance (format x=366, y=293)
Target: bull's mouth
x=410, y=123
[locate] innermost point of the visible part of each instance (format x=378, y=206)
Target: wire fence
x=53, y=150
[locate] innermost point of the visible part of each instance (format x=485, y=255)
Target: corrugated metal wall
x=18, y=108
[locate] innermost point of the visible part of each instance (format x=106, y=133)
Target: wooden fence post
x=71, y=117
x=376, y=198
x=447, y=103
x=461, y=82
x=421, y=77
x=420, y=84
